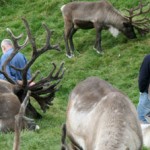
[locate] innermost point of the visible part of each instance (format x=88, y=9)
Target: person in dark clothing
x=143, y=107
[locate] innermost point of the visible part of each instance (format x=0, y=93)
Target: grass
x=119, y=65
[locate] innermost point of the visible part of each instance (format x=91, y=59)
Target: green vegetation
x=119, y=65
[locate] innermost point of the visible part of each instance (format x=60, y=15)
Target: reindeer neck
x=115, y=19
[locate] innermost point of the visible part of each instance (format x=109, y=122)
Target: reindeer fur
x=101, y=117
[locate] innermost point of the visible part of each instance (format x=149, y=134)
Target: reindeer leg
x=68, y=28
x=63, y=138
x=74, y=144
x=68, y=53
x=73, y=31
x=97, y=45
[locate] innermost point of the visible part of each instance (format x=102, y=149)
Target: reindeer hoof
x=98, y=51
x=70, y=56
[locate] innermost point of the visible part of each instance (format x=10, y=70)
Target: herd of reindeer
x=99, y=116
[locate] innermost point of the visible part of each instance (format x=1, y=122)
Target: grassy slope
x=119, y=65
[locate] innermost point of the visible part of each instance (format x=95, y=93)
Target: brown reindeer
x=100, y=15
x=100, y=117
x=43, y=91
x=9, y=107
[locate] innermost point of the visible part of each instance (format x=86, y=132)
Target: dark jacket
x=144, y=74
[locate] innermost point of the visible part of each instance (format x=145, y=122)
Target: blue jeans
x=143, y=107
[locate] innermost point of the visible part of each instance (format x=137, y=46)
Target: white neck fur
x=113, y=31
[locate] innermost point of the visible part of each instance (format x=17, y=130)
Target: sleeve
x=144, y=75
x=8, y=69
x=1, y=75
x=20, y=61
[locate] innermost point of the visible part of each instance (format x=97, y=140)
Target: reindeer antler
x=142, y=25
x=37, y=52
x=40, y=91
x=44, y=90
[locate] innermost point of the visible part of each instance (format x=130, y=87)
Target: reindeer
x=43, y=91
x=100, y=15
x=101, y=117
x=9, y=107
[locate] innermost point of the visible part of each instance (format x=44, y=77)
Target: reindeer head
x=142, y=25
x=128, y=30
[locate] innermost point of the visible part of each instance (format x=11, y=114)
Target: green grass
x=119, y=65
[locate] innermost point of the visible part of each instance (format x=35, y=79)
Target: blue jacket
x=144, y=74
x=19, y=61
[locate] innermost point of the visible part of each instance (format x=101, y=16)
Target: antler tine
x=57, y=75
x=48, y=45
x=15, y=39
x=142, y=31
x=47, y=88
x=49, y=78
x=142, y=21
x=31, y=38
x=44, y=101
x=13, y=36
x=132, y=10
x=40, y=83
x=34, y=76
x=140, y=8
x=37, y=52
x=142, y=25
x=33, y=44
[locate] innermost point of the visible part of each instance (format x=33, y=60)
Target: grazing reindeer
x=12, y=93
x=99, y=15
x=100, y=117
x=9, y=107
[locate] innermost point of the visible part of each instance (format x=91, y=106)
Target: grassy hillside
x=119, y=65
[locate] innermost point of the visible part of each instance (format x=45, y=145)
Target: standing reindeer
x=100, y=117
x=43, y=91
x=100, y=15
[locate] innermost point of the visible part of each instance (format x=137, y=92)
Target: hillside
x=119, y=65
